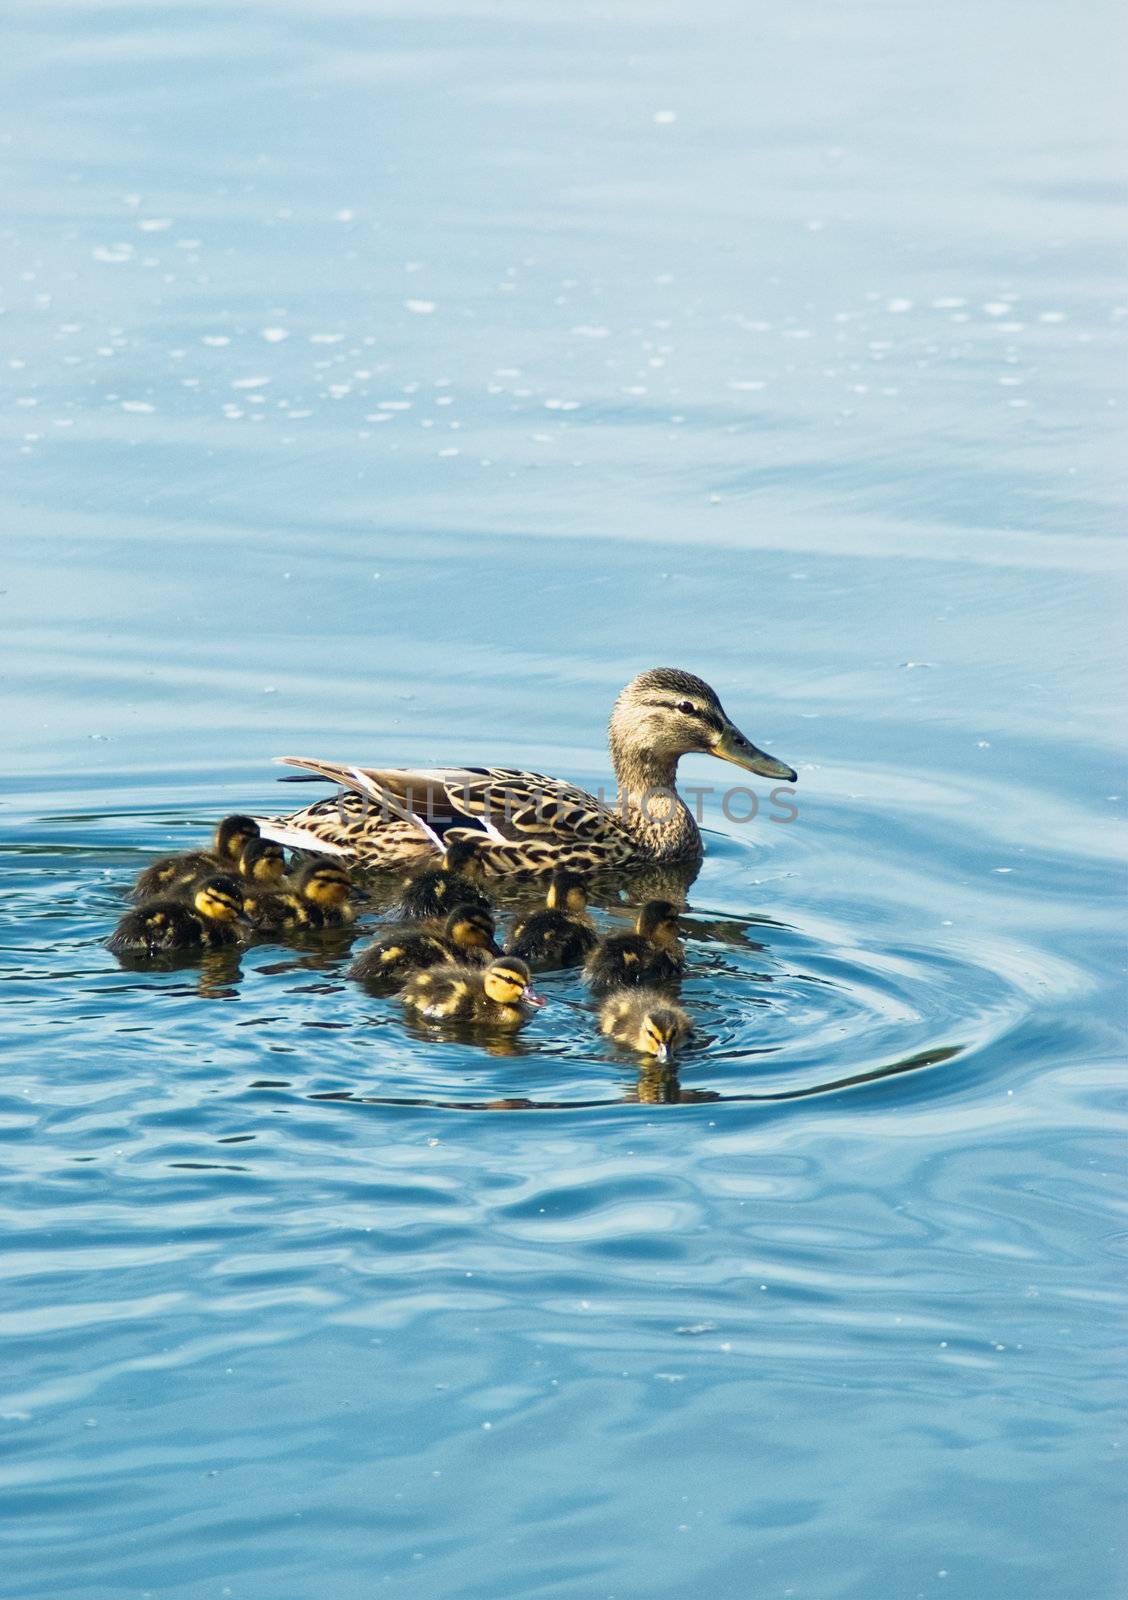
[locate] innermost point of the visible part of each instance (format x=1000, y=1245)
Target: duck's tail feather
x=361, y=782
x=295, y=838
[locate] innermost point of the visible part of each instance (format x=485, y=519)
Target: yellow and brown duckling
x=561, y=935
x=169, y=874
x=207, y=921
x=498, y=995
x=467, y=937
x=434, y=891
x=651, y=954
x=262, y=862
x=317, y=897
x=646, y=1021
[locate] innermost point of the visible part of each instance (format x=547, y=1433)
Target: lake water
x=392, y=382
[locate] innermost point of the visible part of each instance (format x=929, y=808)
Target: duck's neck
x=650, y=806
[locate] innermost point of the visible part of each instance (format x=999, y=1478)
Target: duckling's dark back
x=395, y=957
x=549, y=939
x=435, y=891
x=628, y=961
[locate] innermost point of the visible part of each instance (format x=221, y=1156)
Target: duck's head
x=471, y=929
x=461, y=855
x=665, y=713
x=508, y=982
x=233, y=835
x=324, y=883
x=220, y=899
x=658, y=922
x=262, y=861
x=661, y=1029
x=567, y=891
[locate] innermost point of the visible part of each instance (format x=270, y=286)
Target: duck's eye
x=687, y=708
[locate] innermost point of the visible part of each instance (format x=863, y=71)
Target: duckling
x=169, y=873
x=165, y=924
x=467, y=937
x=645, y=1020
x=561, y=935
x=500, y=995
x=262, y=862
x=652, y=954
x=435, y=891
x=318, y=897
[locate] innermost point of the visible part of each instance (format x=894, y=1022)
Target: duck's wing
x=507, y=804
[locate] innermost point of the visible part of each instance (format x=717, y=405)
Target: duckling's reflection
x=219, y=976
x=499, y=1042
x=646, y=1091
x=657, y=1085
x=216, y=973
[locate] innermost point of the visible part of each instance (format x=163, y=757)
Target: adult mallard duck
x=388, y=817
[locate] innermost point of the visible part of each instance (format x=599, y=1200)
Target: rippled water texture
x=392, y=382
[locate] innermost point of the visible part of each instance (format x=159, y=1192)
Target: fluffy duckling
x=435, y=891
x=652, y=954
x=317, y=897
x=170, y=873
x=646, y=1021
x=262, y=862
x=561, y=935
x=467, y=937
x=206, y=922
x=498, y=995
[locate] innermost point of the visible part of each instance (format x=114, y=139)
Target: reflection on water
x=395, y=382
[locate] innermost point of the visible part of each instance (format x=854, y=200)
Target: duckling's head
x=220, y=899
x=233, y=835
x=471, y=929
x=508, y=983
x=664, y=714
x=658, y=922
x=324, y=883
x=262, y=861
x=567, y=891
x=461, y=855
x=660, y=1031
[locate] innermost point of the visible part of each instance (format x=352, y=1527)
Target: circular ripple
x=801, y=979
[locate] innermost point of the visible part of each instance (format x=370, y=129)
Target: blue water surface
x=392, y=382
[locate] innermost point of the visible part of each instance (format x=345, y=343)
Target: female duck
x=499, y=996
x=561, y=935
x=467, y=937
x=652, y=954
x=206, y=922
x=169, y=873
x=533, y=824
